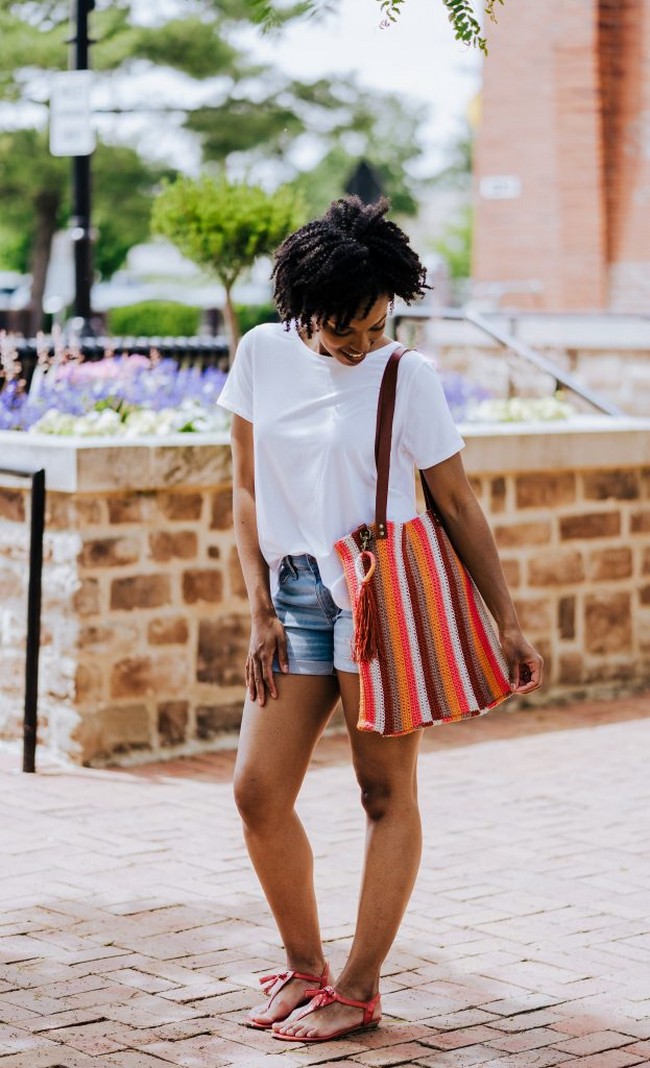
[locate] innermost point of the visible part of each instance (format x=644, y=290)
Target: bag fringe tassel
x=366, y=628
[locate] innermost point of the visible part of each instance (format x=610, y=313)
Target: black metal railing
x=33, y=642
x=542, y=363
x=189, y=351
x=525, y=353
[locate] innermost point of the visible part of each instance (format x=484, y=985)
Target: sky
x=417, y=56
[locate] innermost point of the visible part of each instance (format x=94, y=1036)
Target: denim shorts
x=319, y=633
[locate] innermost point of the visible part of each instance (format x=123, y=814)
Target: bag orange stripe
x=446, y=653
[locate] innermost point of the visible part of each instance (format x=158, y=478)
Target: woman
x=303, y=394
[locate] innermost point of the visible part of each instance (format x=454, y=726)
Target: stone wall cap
x=87, y=465
x=579, y=424
x=590, y=441
x=64, y=441
x=606, y=332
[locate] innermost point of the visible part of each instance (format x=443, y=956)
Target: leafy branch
x=461, y=14
x=271, y=14
x=391, y=10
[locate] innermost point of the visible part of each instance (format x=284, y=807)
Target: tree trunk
x=232, y=323
x=47, y=209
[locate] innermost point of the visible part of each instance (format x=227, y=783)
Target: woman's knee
x=375, y=798
x=381, y=797
x=258, y=801
x=251, y=797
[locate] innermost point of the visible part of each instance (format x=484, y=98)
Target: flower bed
x=520, y=410
x=133, y=395
x=125, y=396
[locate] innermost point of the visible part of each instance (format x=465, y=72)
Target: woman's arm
x=267, y=633
x=472, y=538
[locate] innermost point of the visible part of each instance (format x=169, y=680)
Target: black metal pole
x=81, y=185
x=37, y=526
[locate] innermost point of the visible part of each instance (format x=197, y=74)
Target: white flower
x=105, y=422
x=137, y=423
x=54, y=422
x=142, y=421
x=520, y=409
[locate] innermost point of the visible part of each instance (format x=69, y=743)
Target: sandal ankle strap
x=273, y=984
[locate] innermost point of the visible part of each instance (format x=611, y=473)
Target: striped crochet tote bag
x=426, y=648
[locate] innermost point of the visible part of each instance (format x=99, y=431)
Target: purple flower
x=460, y=393
x=75, y=387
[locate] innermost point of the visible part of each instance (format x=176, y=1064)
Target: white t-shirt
x=314, y=434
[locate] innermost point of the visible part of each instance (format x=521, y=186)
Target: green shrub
x=154, y=318
x=251, y=315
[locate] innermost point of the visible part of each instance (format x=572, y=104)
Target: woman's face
x=351, y=345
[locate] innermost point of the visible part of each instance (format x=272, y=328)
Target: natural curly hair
x=337, y=266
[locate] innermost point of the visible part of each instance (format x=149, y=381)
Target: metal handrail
x=520, y=348
x=37, y=527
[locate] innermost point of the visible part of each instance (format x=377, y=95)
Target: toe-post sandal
x=273, y=984
x=327, y=996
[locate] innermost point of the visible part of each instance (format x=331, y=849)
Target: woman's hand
x=268, y=641
x=524, y=662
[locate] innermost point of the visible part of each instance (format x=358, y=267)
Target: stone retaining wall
x=575, y=546
x=145, y=620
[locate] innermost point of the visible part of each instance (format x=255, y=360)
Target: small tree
x=225, y=227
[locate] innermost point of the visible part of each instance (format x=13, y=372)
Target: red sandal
x=326, y=996
x=273, y=984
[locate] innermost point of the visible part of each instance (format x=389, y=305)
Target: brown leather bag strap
x=383, y=437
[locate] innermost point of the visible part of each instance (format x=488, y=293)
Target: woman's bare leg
x=276, y=744
x=386, y=770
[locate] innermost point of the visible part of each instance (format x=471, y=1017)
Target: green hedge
x=154, y=318
x=159, y=318
x=251, y=315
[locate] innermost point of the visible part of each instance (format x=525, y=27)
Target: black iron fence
x=186, y=351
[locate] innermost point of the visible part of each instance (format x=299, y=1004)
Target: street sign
x=71, y=130
x=500, y=187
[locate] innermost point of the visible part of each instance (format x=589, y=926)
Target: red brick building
x=562, y=165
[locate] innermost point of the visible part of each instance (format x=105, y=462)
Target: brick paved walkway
x=132, y=929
